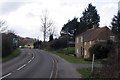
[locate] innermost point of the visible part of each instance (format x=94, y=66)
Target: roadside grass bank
x=12, y=55
x=70, y=59
x=73, y=59
x=86, y=72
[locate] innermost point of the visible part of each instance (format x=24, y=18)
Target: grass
x=71, y=59
x=101, y=60
x=14, y=54
x=86, y=72
x=70, y=49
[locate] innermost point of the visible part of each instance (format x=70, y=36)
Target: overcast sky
x=23, y=16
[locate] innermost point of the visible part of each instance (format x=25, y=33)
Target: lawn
x=86, y=72
x=14, y=54
x=71, y=59
x=71, y=50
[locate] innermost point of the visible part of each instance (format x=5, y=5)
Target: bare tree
x=47, y=26
x=3, y=26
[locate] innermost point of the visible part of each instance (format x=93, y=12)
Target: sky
x=23, y=16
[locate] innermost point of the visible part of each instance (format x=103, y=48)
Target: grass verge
x=86, y=72
x=71, y=59
x=14, y=54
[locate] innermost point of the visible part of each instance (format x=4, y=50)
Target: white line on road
x=29, y=61
x=18, y=68
x=54, y=60
x=21, y=67
x=5, y=76
x=52, y=69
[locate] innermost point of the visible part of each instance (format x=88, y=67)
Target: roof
x=102, y=33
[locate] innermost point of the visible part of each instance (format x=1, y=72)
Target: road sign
x=15, y=42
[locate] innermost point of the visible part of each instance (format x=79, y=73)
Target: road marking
x=52, y=70
x=21, y=67
x=29, y=61
x=18, y=68
x=6, y=76
x=32, y=57
x=54, y=60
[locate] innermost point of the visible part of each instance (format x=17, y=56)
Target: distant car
x=21, y=47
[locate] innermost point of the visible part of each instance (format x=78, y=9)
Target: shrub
x=58, y=43
x=112, y=68
x=7, y=44
x=100, y=50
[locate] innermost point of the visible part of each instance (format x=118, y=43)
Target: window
x=81, y=39
x=90, y=42
x=85, y=43
x=77, y=40
x=77, y=51
x=85, y=52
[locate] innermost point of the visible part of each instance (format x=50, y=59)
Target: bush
x=100, y=50
x=111, y=69
x=58, y=43
x=7, y=44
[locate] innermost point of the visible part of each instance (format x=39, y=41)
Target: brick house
x=90, y=37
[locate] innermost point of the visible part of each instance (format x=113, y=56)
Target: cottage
x=90, y=37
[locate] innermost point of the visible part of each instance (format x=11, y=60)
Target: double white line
x=54, y=62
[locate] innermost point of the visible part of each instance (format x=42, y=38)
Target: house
x=90, y=37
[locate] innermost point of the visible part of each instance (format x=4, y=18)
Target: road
x=31, y=63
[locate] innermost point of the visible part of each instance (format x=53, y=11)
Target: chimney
x=95, y=26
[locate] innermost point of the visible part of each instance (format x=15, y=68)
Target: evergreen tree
x=70, y=27
x=116, y=25
x=90, y=16
x=51, y=38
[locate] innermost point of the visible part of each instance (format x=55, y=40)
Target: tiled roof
x=102, y=33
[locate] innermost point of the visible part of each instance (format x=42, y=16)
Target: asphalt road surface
x=31, y=63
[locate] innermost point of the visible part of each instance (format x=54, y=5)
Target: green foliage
x=111, y=69
x=90, y=16
x=37, y=44
x=81, y=28
x=7, y=44
x=58, y=43
x=69, y=50
x=86, y=72
x=51, y=38
x=116, y=25
x=71, y=59
x=100, y=50
x=70, y=27
x=12, y=55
